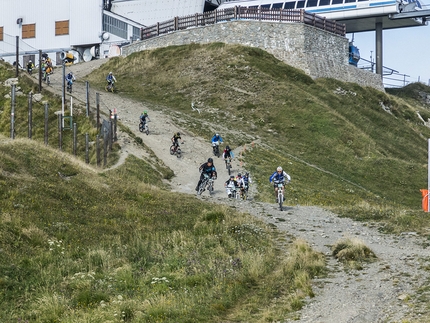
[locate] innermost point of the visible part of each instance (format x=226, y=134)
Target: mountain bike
x=69, y=86
x=47, y=75
x=144, y=127
x=232, y=191
x=207, y=183
x=280, y=194
x=110, y=87
x=215, y=148
x=244, y=192
x=175, y=150
x=228, y=165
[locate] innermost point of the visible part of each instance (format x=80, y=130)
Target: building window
x=114, y=26
x=277, y=5
x=300, y=4
x=136, y=33
x=1, y=33
x=29, y=31
x=61, y=28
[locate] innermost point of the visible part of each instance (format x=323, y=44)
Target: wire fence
x=8, y=46
x=390, y=77
x=243, y=13
x=100, y=146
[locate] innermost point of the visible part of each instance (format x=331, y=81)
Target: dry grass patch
x=352, y=252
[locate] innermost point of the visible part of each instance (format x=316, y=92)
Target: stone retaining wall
x=317, y=52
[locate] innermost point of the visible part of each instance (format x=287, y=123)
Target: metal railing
x=243, y=13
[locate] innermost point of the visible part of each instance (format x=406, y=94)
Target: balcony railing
x=243, y=13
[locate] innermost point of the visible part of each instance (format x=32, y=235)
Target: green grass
x=102, y=247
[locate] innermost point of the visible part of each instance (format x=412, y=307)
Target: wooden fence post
x=74, y=138
x=98, y=110
x=60, y=131
x=87, y=144
x=12, y=112
x=98, y=150
x=46, y=123
x=30, y=115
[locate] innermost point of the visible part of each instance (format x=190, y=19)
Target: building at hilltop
x=87, y=29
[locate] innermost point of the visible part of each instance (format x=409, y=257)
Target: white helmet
x=279, y=169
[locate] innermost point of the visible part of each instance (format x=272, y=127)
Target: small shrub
x=352, y=252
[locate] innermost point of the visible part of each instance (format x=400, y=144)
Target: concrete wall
x=317, y=52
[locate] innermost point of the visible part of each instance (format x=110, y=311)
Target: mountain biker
x=30, y=66
x=48, y=66
x=207, y=168
x=110, y=78
x=280, y=176
x=228, y=153
x=231, y=185
x=216, y=140
x=70, y=78
x=247, y=180
x=175, y=138
x=240, y=182
x=143, y=117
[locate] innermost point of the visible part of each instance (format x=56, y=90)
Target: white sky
x=406, y=50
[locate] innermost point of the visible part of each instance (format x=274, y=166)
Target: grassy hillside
x=358, y=150
x=80, y=246
x=77, y=245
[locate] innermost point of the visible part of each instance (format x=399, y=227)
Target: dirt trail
x=378, y=293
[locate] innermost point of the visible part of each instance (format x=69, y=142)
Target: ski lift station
x=100, y=28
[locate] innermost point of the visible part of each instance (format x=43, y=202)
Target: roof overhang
x=368, y=24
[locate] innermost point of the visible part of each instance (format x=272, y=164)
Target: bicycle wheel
x=178, y=152
x=146, y=129
x=172, y=149
x=280, y=200
x=48, y=80
x=244, y=195
x=201, y=188
x=140, y=127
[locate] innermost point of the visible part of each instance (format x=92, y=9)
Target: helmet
x=239, y=175
x=110, y=73
x=217, y=135
x=279, y=169
x=178, y=134
x=231, y=176
x=29, y=60
x=145, y=112
x=210, y=160
x=227, y=147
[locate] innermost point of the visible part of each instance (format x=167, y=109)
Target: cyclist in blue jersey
x=279, y=177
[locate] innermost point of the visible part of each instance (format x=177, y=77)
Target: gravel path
x=381, y=292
